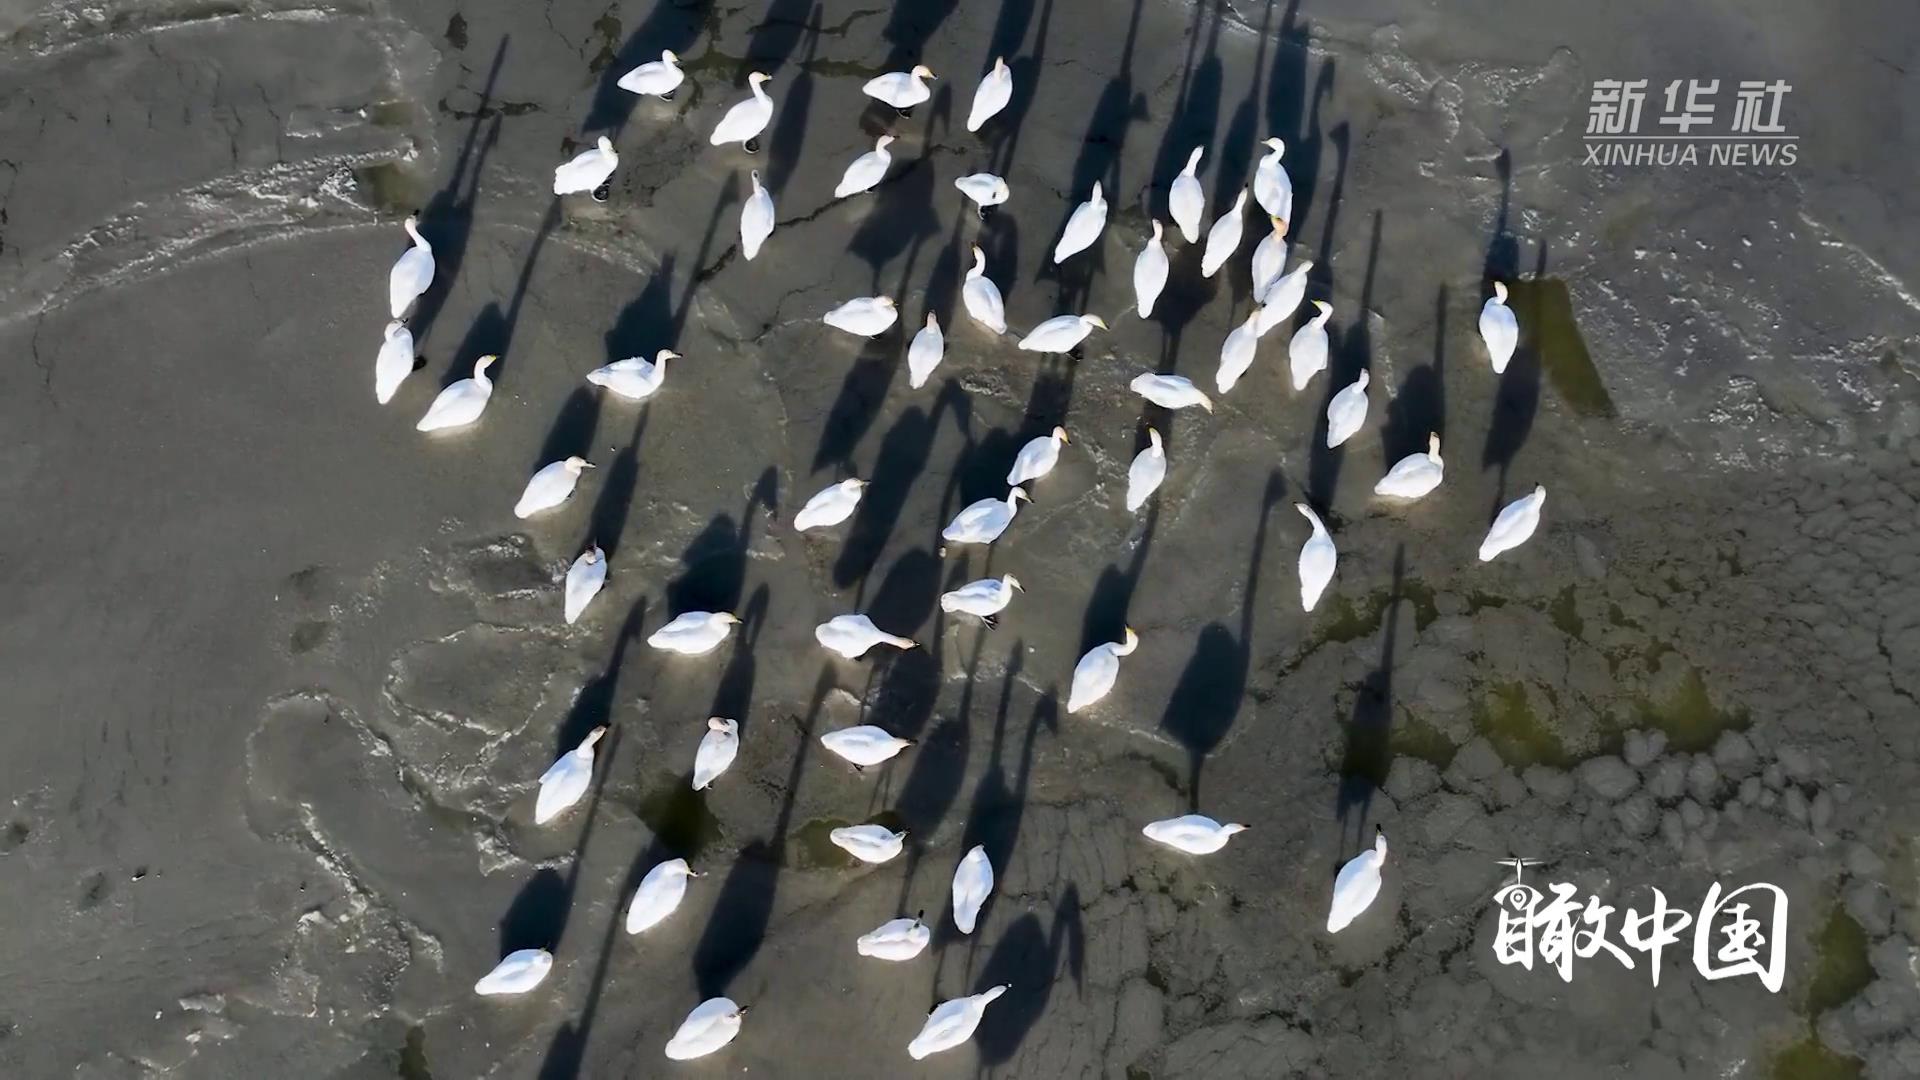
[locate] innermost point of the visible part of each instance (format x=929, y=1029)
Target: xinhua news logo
x=1687, y=126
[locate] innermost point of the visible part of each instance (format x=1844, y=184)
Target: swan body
x=1185, y=201
x=1356, y=885
x=852, y=635
x=566, y=780
x=656, y=78
x=972, y=884
x=412, y=272
x=1083, y=228
x=584, y=580
x=864, y=316
x=692, y=633
x=1499, y=329
x=1094, y=675
x=984, y=599
x=1317, y=557
x=1195, y=834
x=864, y=746
x=985, y=189
x=1414, y=475
x=550, y=486
x=898, y=939
x=1150, y=273
x=1272, y=187
x=1307, y=352
x=1283, y=296
x=867, y=170
x=1515, y=524
x=658, y=896
x=1148, y=470
x=927, y=349
x=982, y=297
x=462, y=402
x=952, y=1023
x=1236, y=353
x=746, y=119
x=1170, y=391
x=588, y=170
x=984, y=521
x=1224, y=238
x=1347, y=411
x=1269, y=258
x=992, y=95
x=756, y=218
x=394, y=363
x=1037, y=458
x=516, y=973
x=711, y=1025
x=635, y=378
x=718, y=747
x=831, y=506
x=901, y=89
x=1062, y=333
x=869, y=843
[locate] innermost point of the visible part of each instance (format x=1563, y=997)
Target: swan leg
x=905, y=113
x=668, y=96
x=601, y=193
x=752, y=146
x=992, y=621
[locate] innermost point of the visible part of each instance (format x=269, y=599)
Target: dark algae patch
x=679, y=817
x=413, y=1056
x=1687, y=714
x=1841, y=970
x=1545, y=310
x=1507, y=715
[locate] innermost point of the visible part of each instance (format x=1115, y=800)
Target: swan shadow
x=593, y=706
x=1517, y=399
x=1368, y=755
x=491, y=333
x=671, y=24
x=1028, y=960
x=1349, y=352
x=447, y=220
x=1419, y=406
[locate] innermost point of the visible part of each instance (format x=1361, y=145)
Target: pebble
x=1673, y=829
x=1703, y=779
x=1692, y=813
x=1733, y=753
x=1820, y=811
x=1796, y=806
x=1553, y=785
x=1796, y=763
x=1668, y=779
x=1750, y=790
x=1637, y=815
x=1643, y=747
x=1774, y=776
x=1608, y=777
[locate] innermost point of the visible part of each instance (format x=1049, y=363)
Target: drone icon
x=1519, y=864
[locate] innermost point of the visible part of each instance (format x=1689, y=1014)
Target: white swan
x=718, y=747
x=1271, y=184
x=1150, y=273
x=756, y=218
x=1148, y=470
x=394, y=363
x=1498, y=328
x=972, y=884
x=897, y=939
x=462, y=402
x=832, y=505
x=852, y=635
x=516, y=973
x=1515, y=524
x=1224, y=238
x=984, y=599
x=985, y=189
x=1094, y=675
x=1185, y=201
x=867, y=170
x=1283, y=297
x=1317, y=557
x=711, y=1025
x=1236, y=353
x=864, y=316
x=1062, y=333
x=1357, y=884
x=927, y=349
x=635, y=378
x=869, y=843
x=692, y=633
x=864, y=746
x=658, y=896
x=952, y=1023
x=744, y=122
x=983, y=521
x=982, y=296
x=1269, y=258
x=1307, y=352
x=1037, y=458
x=412, y=272
x=584, y=580
x=1195, y=834
x=550, y=486
x=566, y=780
x=901, y=89
x=1347, y=411
x=656, y=78
x=992, y=95
x=589, y=169
x=1170, y=391
x=1083, y=228
x=1414, y=475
